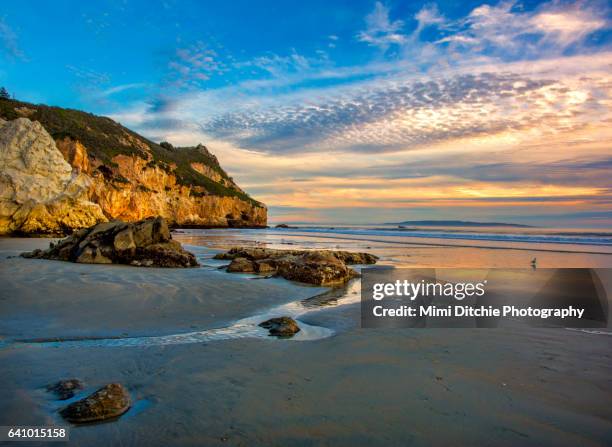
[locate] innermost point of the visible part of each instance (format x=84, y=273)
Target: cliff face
x=39, y=193
x=64, y=169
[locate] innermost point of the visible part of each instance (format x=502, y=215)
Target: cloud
x=564, y=28
x=9, y=42
x=380, y=30
x=88, y=76
x=192, y=65
x=500, y=110
x=506, y=31
x=276, y=65
x=162, y=104
x=121, y=88
x=429, y=15
x=404, y=114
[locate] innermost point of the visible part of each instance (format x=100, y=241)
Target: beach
x=328, y=223
x=186, y=344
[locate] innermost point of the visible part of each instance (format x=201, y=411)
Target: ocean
x=486, y=247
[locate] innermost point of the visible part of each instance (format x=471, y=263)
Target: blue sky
x=340, y=111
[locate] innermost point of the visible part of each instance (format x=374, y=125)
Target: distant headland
x=456, y=223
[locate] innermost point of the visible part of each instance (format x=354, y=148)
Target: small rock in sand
x=109, y=402
x=65, y=389
x=281, y=326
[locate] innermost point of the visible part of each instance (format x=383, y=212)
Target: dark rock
x=281, y=326
x=319, y=267
x=314, y=268
x=257, y=253
x=124, y=240
x=109, y=402
x=265, y=266
x=65, y=389
x=32, y=254
x=355, y=258
x=283, y=226
x=224, y=256
x=145, y=243
x=241, y=265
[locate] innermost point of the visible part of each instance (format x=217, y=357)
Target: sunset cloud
x=406, y=113
x=498, y=109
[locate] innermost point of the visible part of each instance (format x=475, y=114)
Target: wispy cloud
x=333, y=39
x=96, y=87
x=504, y=29
x=192, y=65
x=429, y=15
x=122, y=88
x=9, y=42
x=276, y=65
x=380, y=30
x=88, y=76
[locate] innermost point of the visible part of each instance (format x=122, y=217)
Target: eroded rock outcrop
x=319, y=267
x=137, y=188
x=74, y=153
x=147, y=243
x=39, y=193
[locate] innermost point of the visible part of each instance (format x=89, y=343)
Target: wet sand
x=186, y=344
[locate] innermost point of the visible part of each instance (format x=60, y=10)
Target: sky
x=348, y=111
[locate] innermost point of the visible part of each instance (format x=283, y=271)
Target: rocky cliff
x=39, y=193
x=63, y=169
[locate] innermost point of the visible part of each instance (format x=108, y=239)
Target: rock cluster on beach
x=319, y=267
x=146, y=243
x=109, y=402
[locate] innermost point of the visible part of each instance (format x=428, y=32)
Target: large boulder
x=319, y=267
x=109, y=402
x=314, y=268
x=39, y=193
x=145, y=243
x=241, y=265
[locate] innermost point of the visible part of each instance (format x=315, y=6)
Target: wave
x=599, y=239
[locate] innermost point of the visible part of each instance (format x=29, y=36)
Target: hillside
x=128, y=176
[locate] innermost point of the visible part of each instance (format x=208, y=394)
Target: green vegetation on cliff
x=105, y=139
